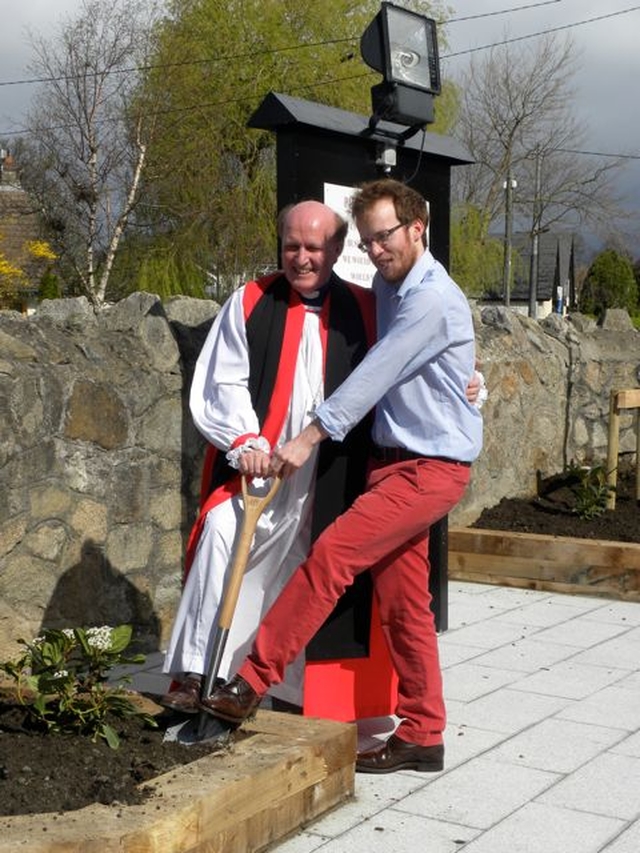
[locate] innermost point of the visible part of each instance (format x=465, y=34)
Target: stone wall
x=549, y=387
x=100, y=463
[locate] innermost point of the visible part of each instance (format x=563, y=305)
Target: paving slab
x=542, y=755
x=453, y=653
x=611, y=706
x=467, y=681
x=479, y=793
x=628, y=746
x=544, y=613
x=489, y=634
x=622, y=652
x=607, y=785
x=397, y=831
x=506, y=710
x=560, y=746
x=527, y=655
x=537, y=828
x=571, y=679
x=625, y=613
x=582, y=632
x=627, y=842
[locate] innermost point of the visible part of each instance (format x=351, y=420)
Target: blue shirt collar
x=413, y=277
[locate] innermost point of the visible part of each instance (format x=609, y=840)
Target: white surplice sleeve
x=219, y=400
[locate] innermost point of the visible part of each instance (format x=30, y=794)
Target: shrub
x=610, y=283
x=61, y=680
x=590, y=489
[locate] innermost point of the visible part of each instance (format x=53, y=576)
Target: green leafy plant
x=591, y=489
x=610, y=283
x=62, y=680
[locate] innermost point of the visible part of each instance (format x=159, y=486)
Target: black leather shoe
x=398, y=754
x=234, y=702
x=184, y=698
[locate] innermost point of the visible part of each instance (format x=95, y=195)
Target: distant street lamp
x=403, y=46
x=508, y=186
x=536, y=230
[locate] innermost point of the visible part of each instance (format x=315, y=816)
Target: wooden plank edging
x=289, y=771
x=536, y=561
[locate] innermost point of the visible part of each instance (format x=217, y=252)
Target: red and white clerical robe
x=267, y=362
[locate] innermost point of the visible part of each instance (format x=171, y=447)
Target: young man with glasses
x=426, y=435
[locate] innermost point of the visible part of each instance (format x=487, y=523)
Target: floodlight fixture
x=403, y=46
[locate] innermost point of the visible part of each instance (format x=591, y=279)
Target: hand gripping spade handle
x=253, y=507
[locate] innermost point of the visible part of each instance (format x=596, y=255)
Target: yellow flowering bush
x=8, y=270
x=40, y=250
x=17, y=273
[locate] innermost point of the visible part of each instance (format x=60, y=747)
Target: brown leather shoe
x=234, y=702
x=398, y=754
x=184, y=698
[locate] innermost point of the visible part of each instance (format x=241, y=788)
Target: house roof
x=554, y=259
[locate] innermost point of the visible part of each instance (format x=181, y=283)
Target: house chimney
x=8, y=169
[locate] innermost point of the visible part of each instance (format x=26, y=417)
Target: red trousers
x=386, y=531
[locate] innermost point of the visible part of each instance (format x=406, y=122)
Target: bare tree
x=516, y=119
x=89, y=132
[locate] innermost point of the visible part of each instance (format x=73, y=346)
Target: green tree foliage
x=90, y=130
x=157, y=266
x=476, y=258
x=50, y=287
x=210, y=181
x=610, y=283
x=636, y=275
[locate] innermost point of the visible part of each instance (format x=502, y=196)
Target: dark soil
x=59, y=773
x=552, y=513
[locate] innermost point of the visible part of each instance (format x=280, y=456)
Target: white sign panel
x=353, y=265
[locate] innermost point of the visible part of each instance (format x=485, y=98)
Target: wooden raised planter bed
x=554, y=563
x=289, y=771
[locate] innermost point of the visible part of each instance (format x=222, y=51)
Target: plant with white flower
x=62, y=680
x=99, y=638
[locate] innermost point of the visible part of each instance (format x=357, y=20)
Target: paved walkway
x=542, y=744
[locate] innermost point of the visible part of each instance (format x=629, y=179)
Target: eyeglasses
x=381, y=238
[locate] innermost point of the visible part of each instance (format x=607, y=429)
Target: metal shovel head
x=205, y=727
x=198, y=730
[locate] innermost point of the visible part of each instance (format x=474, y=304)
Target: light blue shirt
x=417, y=373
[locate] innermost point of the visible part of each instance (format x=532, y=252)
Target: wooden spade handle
x=254, y=506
